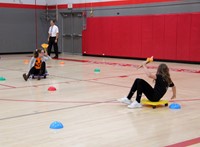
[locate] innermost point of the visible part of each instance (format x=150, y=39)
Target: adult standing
x=53, y=38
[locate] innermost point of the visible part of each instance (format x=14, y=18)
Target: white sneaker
x=134, y=104
x=125, y=100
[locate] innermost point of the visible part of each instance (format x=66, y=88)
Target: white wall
x=39, y=2
x=79, y=1
x=51, y=2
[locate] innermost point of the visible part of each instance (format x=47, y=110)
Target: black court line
x=53, y=110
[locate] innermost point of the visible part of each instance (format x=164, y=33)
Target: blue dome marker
x=56, y=125
x=175, y=106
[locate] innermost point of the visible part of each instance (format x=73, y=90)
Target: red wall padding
x=158, y=36
x=169, y=37
x=195, y=38
x=147, y=36
x=183, y=37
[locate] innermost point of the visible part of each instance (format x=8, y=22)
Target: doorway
x=72, y=32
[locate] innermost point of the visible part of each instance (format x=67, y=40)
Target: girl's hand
x=174, y=92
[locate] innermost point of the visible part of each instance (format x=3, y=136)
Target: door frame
x=64, y=13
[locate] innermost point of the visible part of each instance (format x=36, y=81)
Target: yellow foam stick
x=44, y=46
x=148, y=60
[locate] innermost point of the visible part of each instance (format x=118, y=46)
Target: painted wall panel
x=120, y=36
x=94, y=37
x=170, y=44
x=169, y=37
x=106, y=36
x=147, y=36
x=18, y=33
x=135, y=36
x=183, y=36
x=195, y=38
x=116, y=36
x=158, y=36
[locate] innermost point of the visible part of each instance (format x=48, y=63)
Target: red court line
x=97, y=62
x=76, y=80
x=186, y=143
x=179, y=100
x=118, y=76
x=130, y=65
x=94, y=81
x=10, y=87
x=7, y=86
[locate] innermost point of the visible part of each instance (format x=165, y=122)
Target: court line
x=124, y=65
x=55, y=110
x=129, y=65
x=10, y=87
x=75, y=80
x=43, y=101
x=90, y=80
x=67, y=82
x=49, y=111
x=186, y=143
x=94, y=80
x=46, y=101
x=179, y=100
x=7, y=86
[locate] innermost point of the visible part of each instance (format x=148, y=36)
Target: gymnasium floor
x=85, y=102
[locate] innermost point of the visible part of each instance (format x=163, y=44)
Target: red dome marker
x=51, y=88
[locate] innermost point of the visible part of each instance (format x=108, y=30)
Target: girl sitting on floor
x=162, y=81
x=37, y=65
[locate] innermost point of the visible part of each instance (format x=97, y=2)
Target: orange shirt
x=38, y=63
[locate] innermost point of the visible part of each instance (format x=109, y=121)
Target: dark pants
x=34, y=71
x=55, y=46
x=141, y=86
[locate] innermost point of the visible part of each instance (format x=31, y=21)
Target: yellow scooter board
x=154, y=104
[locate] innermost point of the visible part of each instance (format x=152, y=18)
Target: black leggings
x=34, y=71
x=141, y=86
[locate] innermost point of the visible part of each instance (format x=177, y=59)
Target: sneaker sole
x=124, y=102
x=134, y=107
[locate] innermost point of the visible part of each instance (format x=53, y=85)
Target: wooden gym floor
x=85, y=102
